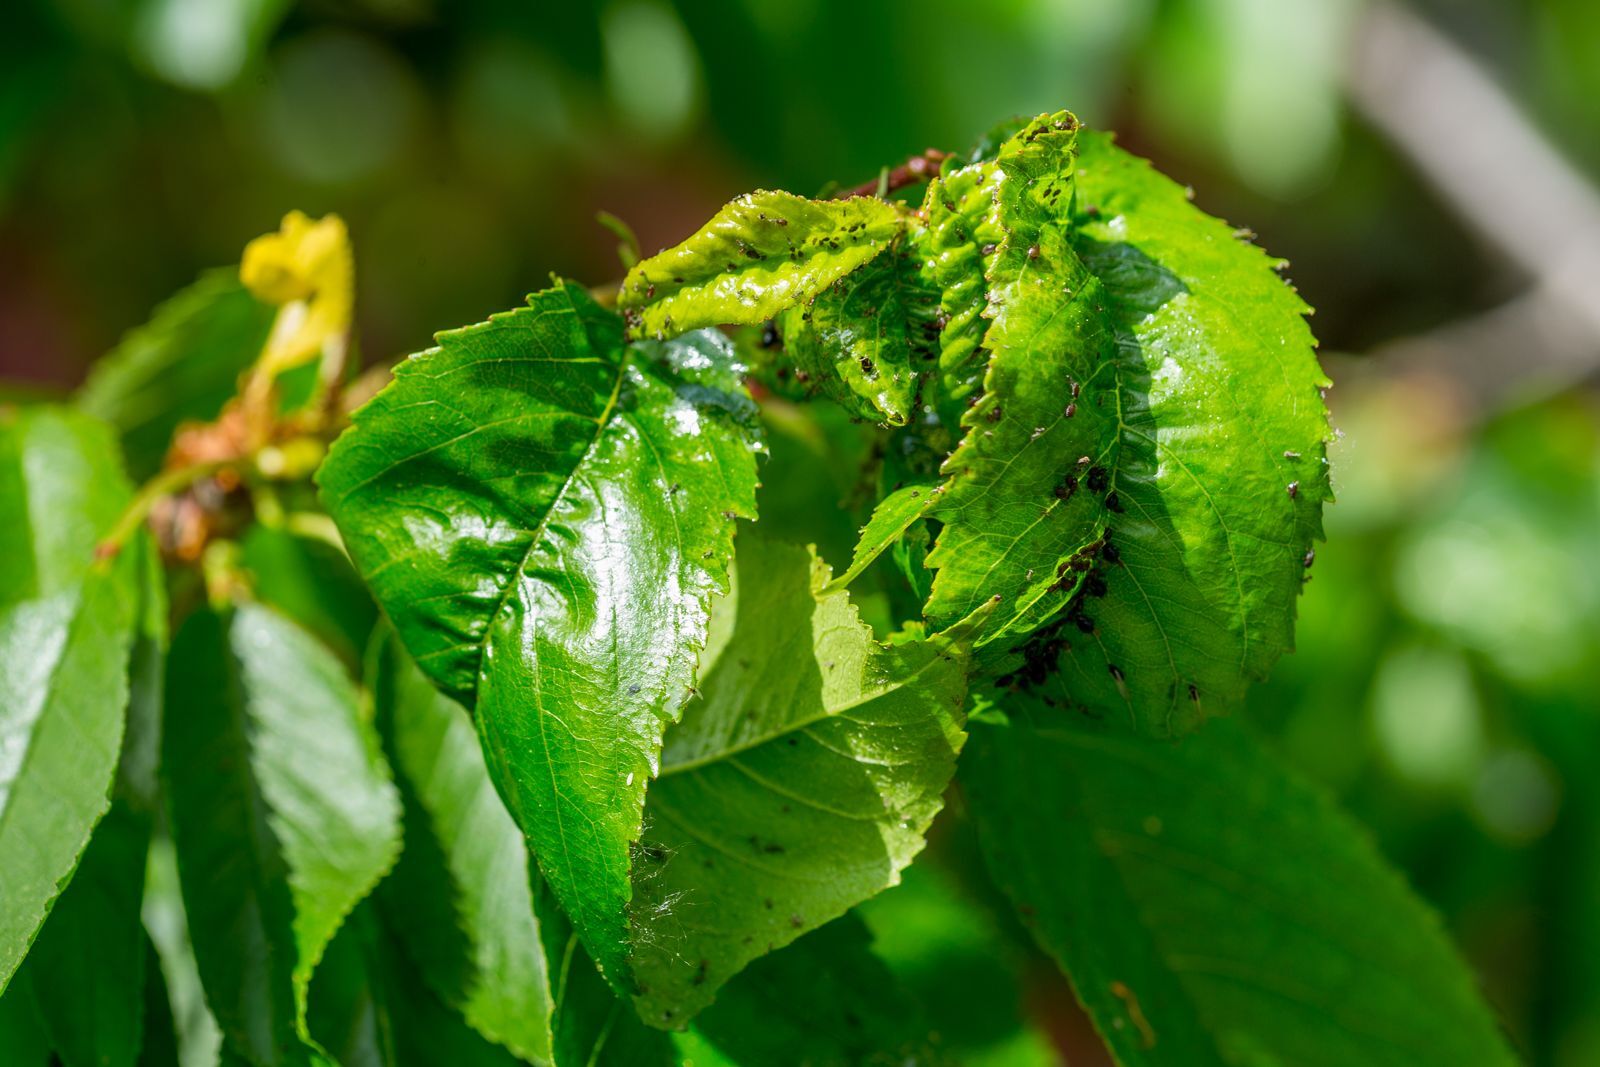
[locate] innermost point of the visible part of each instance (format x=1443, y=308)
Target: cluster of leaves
x=605, y=756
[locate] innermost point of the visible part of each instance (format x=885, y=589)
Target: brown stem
x=914, y=170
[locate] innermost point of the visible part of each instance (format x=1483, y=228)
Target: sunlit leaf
x=763, y=252
x=545, y=512
x=800, y=785
x=66, y=630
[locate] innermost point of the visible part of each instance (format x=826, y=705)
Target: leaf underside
x=1209, y=907
x=798, y=786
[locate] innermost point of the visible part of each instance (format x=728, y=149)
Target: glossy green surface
x=282, y=812
x=1211, y=908
x=763, y=252
x=800, y=785
x=894, y=515
x=868, y=338
x=66, y=630
x=182, y=365
x=1152, y=386
x=545, y=512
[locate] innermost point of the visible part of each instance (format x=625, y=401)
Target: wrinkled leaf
x=868, y=338
x=282, y=812
x=800, y=785
x=545, y=514
x=1144, y=472
x=763, y=252
x=1209, y=907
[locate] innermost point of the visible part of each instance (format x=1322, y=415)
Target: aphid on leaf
x=1114, y=502
x=1098, y=479
x=769, y=335
x=1069, y=411
x=1293, y=489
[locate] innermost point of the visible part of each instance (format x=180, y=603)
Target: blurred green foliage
x=1446, y=684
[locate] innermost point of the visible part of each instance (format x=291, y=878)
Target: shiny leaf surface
x=66, y=630
x=868, y=338
x=800, y=785
x=545, y=513
x=763, y=252
x=460, y=901
x=1144, y=472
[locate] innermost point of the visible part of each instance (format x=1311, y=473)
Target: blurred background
x=1429, y=169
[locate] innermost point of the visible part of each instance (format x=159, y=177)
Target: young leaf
x=799, y=786
x=182, y=365
x=66, y=628
x=958, y=241
x=1152, y=386
x=460, y=901
x=545, y=513
x=761, y=253
x=825, y=1001
x=894, y=515
x=867, y=338
x=282, y=812
x=1209, y=907
x=1007, y=525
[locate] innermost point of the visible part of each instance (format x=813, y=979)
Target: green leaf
x=460, y=901
x=1209, y=907
x=763, y=252
x=22, y=1034
x=868, y=338
x=486, y=938
x=800, y=785
x=66, y=628
x=594, y=1026
x=894, y=515
x=159, y=1046
x=957, y=243
x=311, y=581
x=545, y=514
x=88, y=965
x=1151, y=387
x=282, y=812
x=184, y=364
x=825, y=1001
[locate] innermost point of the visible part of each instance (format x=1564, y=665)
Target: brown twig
x=912, y=171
